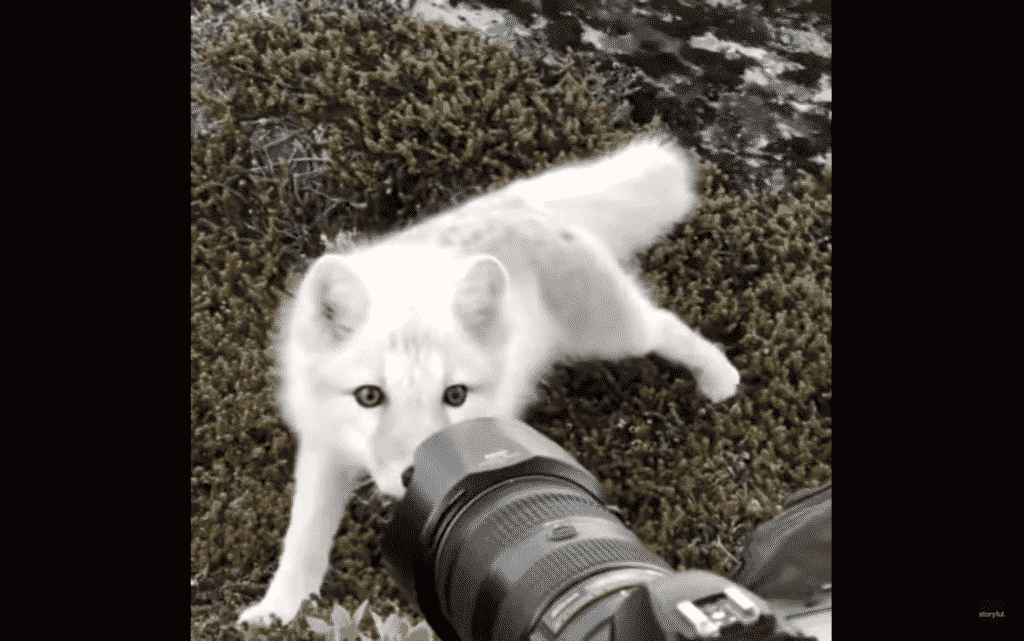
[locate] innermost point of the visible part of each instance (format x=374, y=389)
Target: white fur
x=487, y=295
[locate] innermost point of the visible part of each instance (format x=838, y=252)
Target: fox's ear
x=338, y=298
x=477, y=302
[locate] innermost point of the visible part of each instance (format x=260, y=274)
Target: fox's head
x=383, y=349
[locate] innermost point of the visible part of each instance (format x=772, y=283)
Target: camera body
x=504, y=536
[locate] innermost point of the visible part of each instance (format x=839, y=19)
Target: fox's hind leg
x=673, y=339
x=605, y=313
x=631, y=325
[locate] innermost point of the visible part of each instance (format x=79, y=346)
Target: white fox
x=457, y=318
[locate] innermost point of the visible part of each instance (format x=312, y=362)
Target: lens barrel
x=521, y=544
x=497, y=523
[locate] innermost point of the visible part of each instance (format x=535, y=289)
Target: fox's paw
x=262, y=613
x=719, y=384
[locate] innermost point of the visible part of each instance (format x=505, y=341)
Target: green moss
x=338, y=120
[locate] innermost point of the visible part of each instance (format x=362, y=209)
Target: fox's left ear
x=477, y=302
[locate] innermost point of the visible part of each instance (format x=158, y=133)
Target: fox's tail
x=627, y=198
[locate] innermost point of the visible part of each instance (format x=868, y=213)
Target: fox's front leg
x=323, y=487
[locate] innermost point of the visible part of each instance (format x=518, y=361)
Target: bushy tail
x=627, y=199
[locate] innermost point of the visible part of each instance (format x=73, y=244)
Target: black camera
x=504, y=536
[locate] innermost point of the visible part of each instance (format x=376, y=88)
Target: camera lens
x=502, y=532
x=512, y=550
x=503, y=536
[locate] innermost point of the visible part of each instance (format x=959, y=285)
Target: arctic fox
x=457, y=318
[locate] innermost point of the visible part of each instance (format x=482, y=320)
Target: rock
x=750, y=88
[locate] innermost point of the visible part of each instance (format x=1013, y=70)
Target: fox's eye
x=328, y=312
x=369, y=395
x=455, y=395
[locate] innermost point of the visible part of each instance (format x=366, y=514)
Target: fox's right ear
x=477, y=303
x=338, y=298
